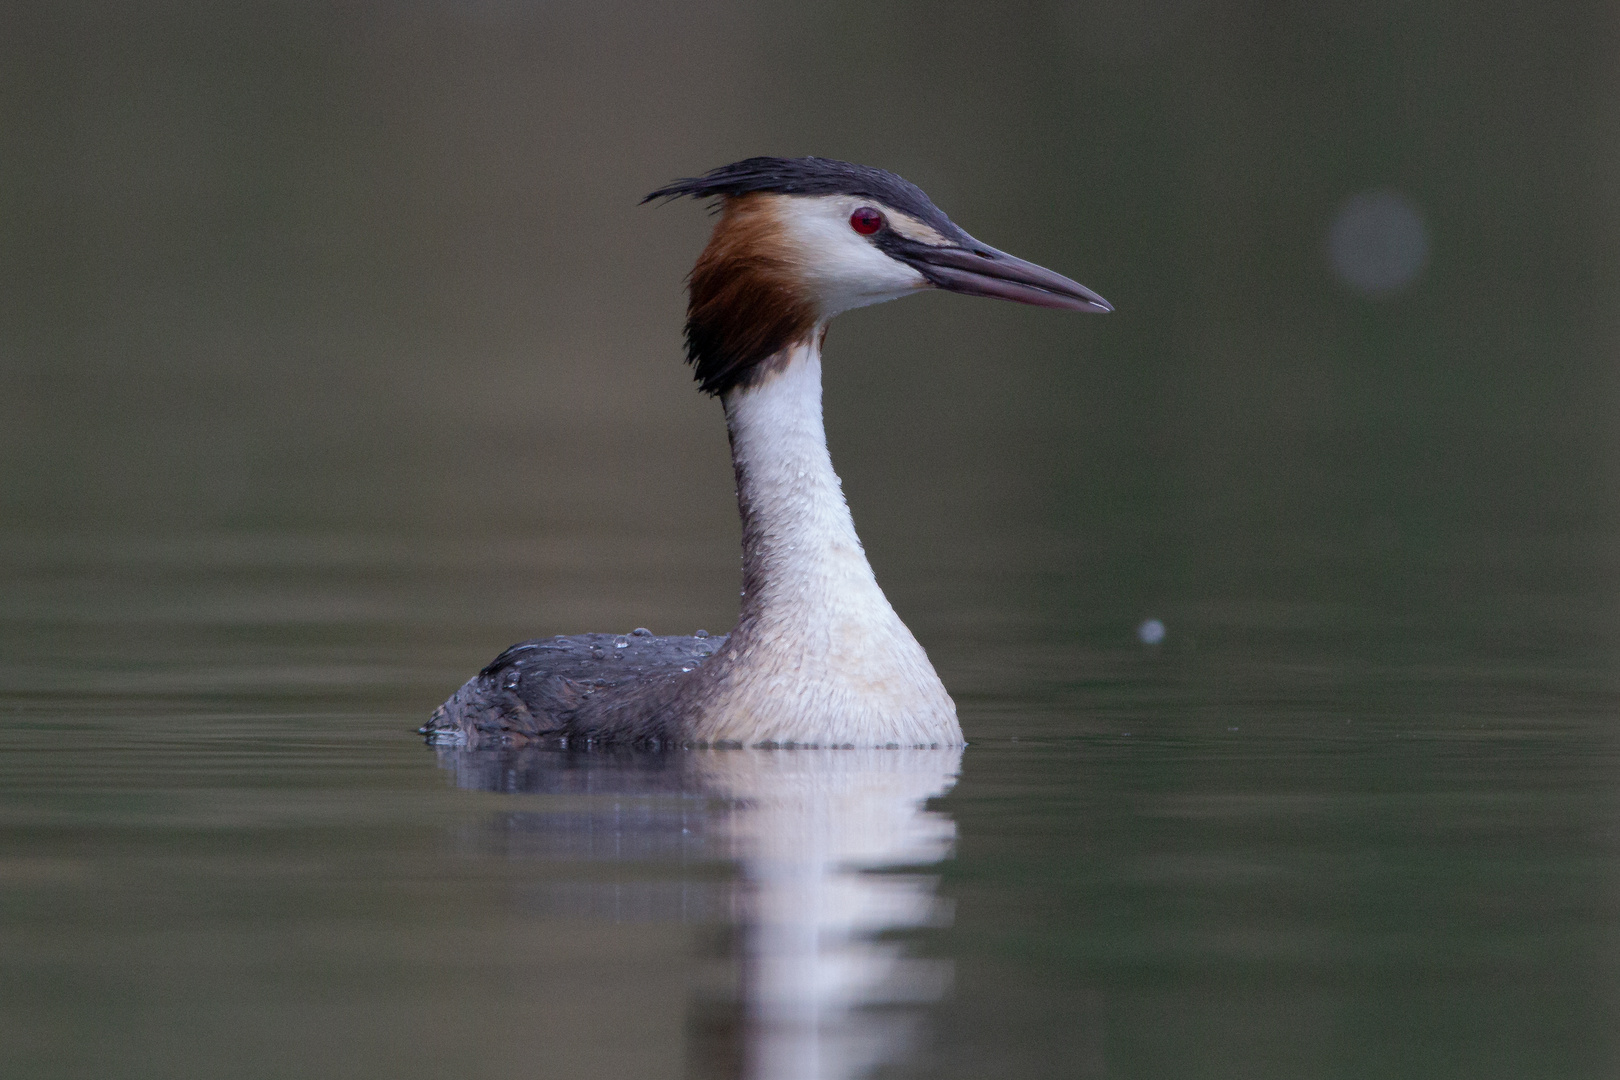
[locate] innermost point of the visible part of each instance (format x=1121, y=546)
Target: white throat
x=818, y=655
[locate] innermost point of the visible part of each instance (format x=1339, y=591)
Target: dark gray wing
x=532, y=691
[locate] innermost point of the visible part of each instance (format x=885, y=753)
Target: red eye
x=866, y=221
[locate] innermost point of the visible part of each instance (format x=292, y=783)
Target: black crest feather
x=812, y=176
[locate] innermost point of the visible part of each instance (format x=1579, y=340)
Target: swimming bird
x=818, y=656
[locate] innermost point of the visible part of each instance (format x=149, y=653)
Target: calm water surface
x=1296, y=839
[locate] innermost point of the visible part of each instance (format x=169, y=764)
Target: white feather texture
x=836, y=266
x=819, y=656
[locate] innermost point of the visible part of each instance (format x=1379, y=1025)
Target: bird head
x=800, y=240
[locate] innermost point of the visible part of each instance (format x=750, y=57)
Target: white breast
x=819, y=656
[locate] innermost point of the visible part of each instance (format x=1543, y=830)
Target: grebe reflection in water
x=818, y=657
x=819, y=995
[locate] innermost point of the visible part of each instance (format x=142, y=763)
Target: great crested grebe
x=818, y=657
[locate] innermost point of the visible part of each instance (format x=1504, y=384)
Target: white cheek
x=840, y=267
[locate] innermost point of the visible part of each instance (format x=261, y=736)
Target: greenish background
x=335, y=355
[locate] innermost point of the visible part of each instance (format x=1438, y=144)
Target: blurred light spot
x=1151, y=632
x=1378, y=243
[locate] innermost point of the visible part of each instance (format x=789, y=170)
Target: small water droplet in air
x=621, y=643
x=1151, y=632
x=701, y=633
x=641, y=631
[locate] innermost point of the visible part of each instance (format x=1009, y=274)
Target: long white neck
x=802, y=561
x=818, y=655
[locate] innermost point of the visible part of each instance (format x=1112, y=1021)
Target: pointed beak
x=979, y=270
